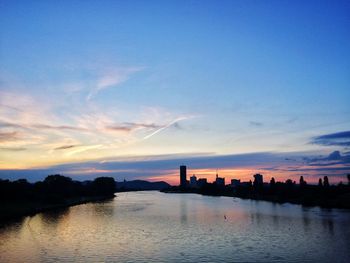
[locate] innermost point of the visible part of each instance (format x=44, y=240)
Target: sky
x=133, y=89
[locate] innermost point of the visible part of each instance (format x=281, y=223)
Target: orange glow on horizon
x=244, y=174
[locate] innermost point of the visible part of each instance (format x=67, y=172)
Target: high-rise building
x=193, y=181
x=235, y=182
x=183, y=180
x=220, y=181
x=201, y=182
x=258, y=179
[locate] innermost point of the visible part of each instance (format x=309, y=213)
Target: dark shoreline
x=339, y=203
x=10, y=211
x=20, y=198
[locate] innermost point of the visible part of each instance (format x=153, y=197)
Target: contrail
x=166, y=126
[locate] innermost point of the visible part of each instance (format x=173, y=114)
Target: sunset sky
x=133, y=89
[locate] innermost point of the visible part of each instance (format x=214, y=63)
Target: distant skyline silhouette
x=132, y=89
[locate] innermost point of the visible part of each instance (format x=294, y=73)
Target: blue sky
x=82, y=81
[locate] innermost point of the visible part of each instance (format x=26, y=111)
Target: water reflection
x=52, y=219
x=183, y=210
x=103, y=209
x=157, y=227
x=329, y=225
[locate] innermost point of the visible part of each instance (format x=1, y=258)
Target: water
x=158, y=227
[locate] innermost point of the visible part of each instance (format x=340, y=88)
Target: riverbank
x=12, y=210
x=340, y=201
x=21, y=198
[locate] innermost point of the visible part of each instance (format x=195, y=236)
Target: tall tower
x=258, y=179
x=183, y=180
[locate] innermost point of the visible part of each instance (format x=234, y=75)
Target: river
x=158, y=227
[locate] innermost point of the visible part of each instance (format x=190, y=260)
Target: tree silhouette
x=302, y=182
x=103, y=185
x=59, y=185
x=325, y=181
x=320, y=182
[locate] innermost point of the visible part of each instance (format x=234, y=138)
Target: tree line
x=55, y=188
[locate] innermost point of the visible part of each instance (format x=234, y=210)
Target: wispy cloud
x=333, y=139
x=83, y=149
x=59, y=127
x=131, y=126
x=54, y=132
x=9, y=107
x=24, y=110
x=143, y=125
x=65, y=147
x=10, y=125
x=111, y=78
x=13, y=149
x=255, y=123
x=332, y=159
x=41, y=126
x=9, y=136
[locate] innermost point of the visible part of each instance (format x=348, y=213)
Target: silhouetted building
x=235, y=182
x=193, y=181
x=320, y=182
x=202, y=182
x=302, y=182
x=247, y=184
x=258, y=179
x=183, y=175
x=219, y=180
x=272, y=182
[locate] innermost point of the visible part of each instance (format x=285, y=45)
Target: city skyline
x=134, y=91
